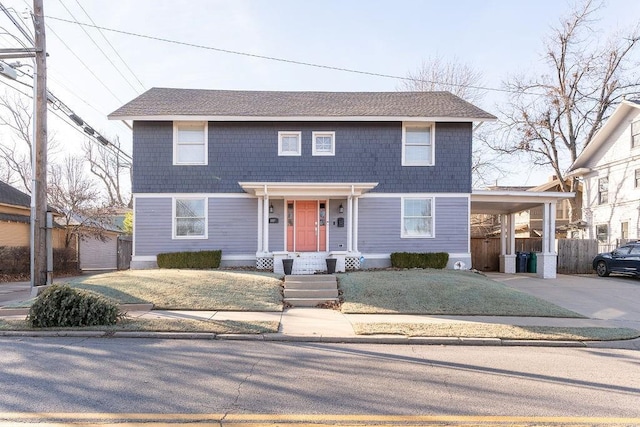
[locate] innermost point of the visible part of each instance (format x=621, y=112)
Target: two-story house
x=610, y=169
x=270, y=175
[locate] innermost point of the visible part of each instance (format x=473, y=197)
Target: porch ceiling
x=307, y=189
x=506, y=202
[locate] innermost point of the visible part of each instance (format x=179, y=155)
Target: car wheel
x=601, y=269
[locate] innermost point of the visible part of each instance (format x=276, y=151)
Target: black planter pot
x=287, y=264
x=331, y=265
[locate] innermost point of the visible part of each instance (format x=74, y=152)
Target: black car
x=624, y=260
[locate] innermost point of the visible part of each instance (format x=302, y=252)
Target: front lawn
x=439, y=292
x=169, y=289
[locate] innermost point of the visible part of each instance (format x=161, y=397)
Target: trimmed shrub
x=419, y=260
x=16, y=260
x=64, y=306
x=200, y=259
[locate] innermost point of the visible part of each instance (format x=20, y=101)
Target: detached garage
x=97, y=254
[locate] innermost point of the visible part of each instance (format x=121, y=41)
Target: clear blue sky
x=499, y=38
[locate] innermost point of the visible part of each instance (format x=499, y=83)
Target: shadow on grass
x=109, y=292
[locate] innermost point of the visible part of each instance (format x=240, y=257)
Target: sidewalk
x=326, y=325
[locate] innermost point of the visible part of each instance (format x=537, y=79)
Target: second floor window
x=635, y=134
x=323, y=143
x=603, y=191
x=289, y=144
x=417, y=145
x=190, y=143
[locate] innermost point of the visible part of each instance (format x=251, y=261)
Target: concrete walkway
x=606, y=302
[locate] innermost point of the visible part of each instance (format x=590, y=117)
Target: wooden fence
x=574, y=255
x=125, y=249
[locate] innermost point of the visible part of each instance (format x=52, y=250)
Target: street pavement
x=605, y=302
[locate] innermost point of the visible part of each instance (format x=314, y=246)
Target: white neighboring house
x=610, y=168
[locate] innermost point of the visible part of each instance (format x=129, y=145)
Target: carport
x=507, y=204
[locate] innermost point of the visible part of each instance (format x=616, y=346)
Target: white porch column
x=350, y=224
x=355, y=224
x=265, y=224
x=547, y=260
x=508, y=244
x=260, y=225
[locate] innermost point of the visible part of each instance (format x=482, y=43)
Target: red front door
x=307, y=226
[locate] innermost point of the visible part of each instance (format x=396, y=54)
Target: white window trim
x=173, y=218
x=637, y=123
x=331, y=134
x=175, y=143
x=289, y=133
x=432, y=131
x=433, y=218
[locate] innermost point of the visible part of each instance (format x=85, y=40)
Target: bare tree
x=16, y=114
x=109, y=168
x=77, y=199
x=438, y=74
x=554, y=116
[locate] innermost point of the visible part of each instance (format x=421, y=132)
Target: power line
x=112, y=47
x=284, y=60
x=100, y=49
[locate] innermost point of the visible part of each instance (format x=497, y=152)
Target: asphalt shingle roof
x=233, y=103
x=13, y=196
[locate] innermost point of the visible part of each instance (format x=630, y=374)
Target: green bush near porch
x=419, y=260
x=200, y=259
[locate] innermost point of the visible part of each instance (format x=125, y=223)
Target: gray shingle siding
x=364, y=152
x=380, y=226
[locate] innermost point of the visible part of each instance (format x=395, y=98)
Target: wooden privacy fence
x=574, y=255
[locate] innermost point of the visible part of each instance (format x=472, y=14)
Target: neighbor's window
x=624, y=231
x=637, y=182
x=323, y=143
x=417, y=217
x=190, y=218
x=603, y=191
x=417, y=144
x=189, y=143
x=602, y=233
x=635, y=134
x=289, y=144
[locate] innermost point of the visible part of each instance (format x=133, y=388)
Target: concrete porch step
x=309, y=302
x=311, y=293
x=310, y=290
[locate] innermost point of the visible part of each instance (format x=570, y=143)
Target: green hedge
x=419, y=260
x=63, y=306
x=200, y=259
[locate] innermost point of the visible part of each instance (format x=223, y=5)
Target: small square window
x=190, y=143
x=190, y=218
x=417, y=144
x=289, y=144
x=323, y=143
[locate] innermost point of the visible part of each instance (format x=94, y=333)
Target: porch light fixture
x=340, y=209
x=271, y=208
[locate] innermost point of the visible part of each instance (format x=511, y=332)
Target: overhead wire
x=284, y=60
x=112, y=47
x=100, y=49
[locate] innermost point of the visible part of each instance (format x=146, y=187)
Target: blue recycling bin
x=521, y=262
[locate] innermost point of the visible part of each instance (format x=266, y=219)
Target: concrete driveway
x=616, y=299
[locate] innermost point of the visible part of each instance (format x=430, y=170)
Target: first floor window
x=637, y=176
x=603, y=191
x=289, y=144
x=635, y=134
x=417, y=145
x=190, y=218
x=417, y=217
x=190, y=143
x=602, y=233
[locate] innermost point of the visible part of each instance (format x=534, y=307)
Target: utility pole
x=39, y=273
